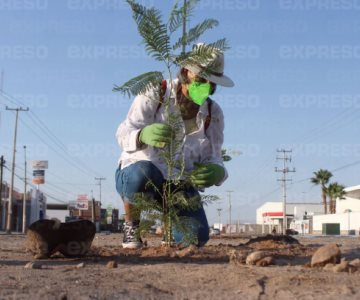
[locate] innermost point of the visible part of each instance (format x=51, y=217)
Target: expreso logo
x=23, y=52
x=23, y=4
x=319, y=4
x=230, y=4
x=103, y=4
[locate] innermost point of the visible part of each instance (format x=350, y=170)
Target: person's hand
x=156, y=135
x=206, y=175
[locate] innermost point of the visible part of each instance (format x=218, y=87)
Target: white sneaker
x=131, y=239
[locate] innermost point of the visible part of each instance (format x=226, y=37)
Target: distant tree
x=322, y=178
x=335, y=191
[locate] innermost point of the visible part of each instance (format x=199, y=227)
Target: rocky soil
x=236, y=268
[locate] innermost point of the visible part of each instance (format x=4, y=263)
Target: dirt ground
x=159, y=273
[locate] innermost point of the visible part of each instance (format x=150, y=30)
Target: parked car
x=214, y=231
x=291, y=232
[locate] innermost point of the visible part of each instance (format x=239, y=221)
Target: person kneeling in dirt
x=143, y=134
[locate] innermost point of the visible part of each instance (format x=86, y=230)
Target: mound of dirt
x=272, y=242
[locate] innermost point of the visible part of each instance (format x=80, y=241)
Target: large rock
x=327, y=254
x=254, y=257
x=73, y=239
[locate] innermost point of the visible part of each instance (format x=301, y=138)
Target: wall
x=296, y=209
x=57, y=213
x=348, y=203
x=345, y=219
x=267, y=207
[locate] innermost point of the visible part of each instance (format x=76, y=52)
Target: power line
x=42, y=126
x=56, y=151
x=57, y=188
x=34, y=187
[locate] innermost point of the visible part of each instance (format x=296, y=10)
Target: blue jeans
x=134, y=178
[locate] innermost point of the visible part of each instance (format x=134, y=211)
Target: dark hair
x=184, y=79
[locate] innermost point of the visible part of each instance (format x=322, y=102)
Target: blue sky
x=295, y=65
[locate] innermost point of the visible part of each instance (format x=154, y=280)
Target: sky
x=295, y=64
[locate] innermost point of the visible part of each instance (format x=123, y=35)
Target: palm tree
x=334, y=191
x=322, y=178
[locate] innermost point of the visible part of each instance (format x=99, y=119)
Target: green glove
x=156, y=135
x=206, y=175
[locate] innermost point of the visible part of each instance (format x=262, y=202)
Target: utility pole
x=219, y=214
x=24, y=201
x=100, y=179
x=286, y=157
x=229, y=196
x=2, y=163
x=8, y=223
x=2, y=81
x=92, y=207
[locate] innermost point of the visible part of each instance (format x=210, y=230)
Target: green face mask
x=199, y=92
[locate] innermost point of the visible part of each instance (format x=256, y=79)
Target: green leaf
x=140, y=84
x=202, y=55
x=221, y=45
x=177, y=14
x=190, y=7
x=175, y=19
x=152, y=30
x=198, y=56
x=194, y=33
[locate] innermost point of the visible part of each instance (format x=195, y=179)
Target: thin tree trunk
x=324, y=201
x=184, y=28
x=331, y=204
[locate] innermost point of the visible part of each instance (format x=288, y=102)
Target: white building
x=270, y=215
x=58, y=211
x=347, y=213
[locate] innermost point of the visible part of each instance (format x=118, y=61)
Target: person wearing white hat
x=143, y=135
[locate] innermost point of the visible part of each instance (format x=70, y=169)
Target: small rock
x=112, y=264
x=329, y=267
x=254, y=257
x=80, y=265
x=189, y=251
x=266, y=261
x=342, y=267
x=327, y=254
x=41, y=256
x=355, y=263
x=352, y=269
x=33, y=265
x=237, y=257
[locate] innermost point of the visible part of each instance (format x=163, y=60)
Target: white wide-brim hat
x=212, y=69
